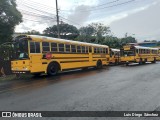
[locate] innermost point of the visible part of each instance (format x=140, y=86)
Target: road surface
x=113, y=88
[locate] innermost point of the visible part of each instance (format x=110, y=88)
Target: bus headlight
x=25, y=68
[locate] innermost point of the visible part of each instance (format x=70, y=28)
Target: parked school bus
x=40, y=54
x=138, y=54
x=158, y=55
x=114, y=56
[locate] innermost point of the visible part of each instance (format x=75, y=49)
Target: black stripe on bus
x=74, y=61
x=64, y=53
x=68, y=57
x=44, y=62
x=99, y=57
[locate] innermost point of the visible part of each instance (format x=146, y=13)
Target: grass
x=13, y=77
x=8, y=77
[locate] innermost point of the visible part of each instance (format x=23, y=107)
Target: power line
x=32, y=20
x=36, y=15
x=70, y=21
x=35, y=4
x=41, y=11
x=98, y=5
x=110, y=6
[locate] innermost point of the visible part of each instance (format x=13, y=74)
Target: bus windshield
x=128, y=53
x=21, y=48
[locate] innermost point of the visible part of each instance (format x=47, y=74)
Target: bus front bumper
x=20, y=66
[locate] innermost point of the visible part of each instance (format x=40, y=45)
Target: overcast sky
x=139, y=18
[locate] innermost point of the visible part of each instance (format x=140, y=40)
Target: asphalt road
x=113, y=88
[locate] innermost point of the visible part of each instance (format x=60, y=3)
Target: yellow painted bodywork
x=36, y=63
x=115, y=59
x=139, y=57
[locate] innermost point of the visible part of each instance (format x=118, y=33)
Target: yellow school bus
x=158, y=55
x=138, y=54
x=40, y=54
x=114, y=56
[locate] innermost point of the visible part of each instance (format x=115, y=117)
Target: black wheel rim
x=53, y=70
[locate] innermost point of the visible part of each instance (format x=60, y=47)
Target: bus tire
x=99, y=64
x=127, y=63
x=53, y=68
x=154, y=61
x=140, y=62
x=116, y=62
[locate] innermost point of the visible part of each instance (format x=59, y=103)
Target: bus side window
x=101, y=50
x=45, y=46
x=136, y=50
x=54, y=47
x=90, y=49
x=73, y=48
x=106, y=50
x=32, y=47
x=86, y=49
x=139, y=51
x=61, y=47
x=67, y=48
x=83, y=49
x=78, y=49
x=95, y=50
x=37, y=45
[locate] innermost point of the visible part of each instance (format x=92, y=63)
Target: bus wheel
x=99, y=64
x=52, y=68
x=127, y=63
x=140, y=62
x=154, y=61
x=116, y=62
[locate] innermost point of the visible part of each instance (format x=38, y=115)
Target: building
x=145, y=44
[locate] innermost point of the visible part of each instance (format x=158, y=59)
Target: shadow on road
x=44, y=80
x=136, y=64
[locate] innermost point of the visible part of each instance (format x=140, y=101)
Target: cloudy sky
x=139, y=18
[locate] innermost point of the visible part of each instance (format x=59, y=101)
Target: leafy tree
x=128, y=39
x=86, y=31
x=66, y=31
x=94, y=32
x=32, y=32
x=86, y=38
x=112, y=42
x=9, y=18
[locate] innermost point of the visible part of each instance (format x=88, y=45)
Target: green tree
x=128, y=39
x=66, y=31
x=112, y=42
x=33, y=32
x=9, y=18
x=94, y=32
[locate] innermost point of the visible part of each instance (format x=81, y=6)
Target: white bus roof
x=115, y=50
x=140, y=47
x=43, y=38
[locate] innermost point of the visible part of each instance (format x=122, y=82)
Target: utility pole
x=57, y=19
